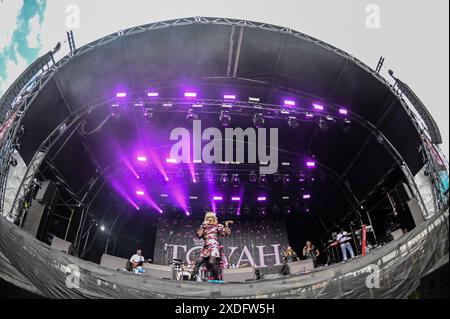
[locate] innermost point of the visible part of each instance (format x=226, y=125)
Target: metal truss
x=42, y=81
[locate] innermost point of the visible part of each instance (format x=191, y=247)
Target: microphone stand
x=166, y=247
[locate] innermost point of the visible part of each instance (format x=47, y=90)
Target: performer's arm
x=200, y=232
x=227, y=230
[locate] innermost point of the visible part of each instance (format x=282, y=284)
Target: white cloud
x=13, y=70
x=34, y=35
x=9, y=11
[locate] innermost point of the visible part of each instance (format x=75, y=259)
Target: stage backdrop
x=258, y=243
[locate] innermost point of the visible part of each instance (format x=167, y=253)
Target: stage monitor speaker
x=62, y=245
x=46, y=193
x=300, y=267
x=159, y=271
x=396, y=234
x=33, y=218
x=238, y=274
x=113, y=262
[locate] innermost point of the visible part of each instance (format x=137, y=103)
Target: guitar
x=134, y=264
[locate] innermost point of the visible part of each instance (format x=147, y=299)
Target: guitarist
x=137, y=260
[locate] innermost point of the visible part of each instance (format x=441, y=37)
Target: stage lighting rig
x=253, y=177
x=323, y=125
x=235, y=180
x=192, y=115
x=293, y=122
x=225, y=118
x=259, y=120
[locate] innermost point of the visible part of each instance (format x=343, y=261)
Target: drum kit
x=182, y=270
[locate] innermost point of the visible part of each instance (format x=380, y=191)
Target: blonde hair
x=211, y=214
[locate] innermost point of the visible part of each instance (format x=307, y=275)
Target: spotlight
x=289, y=103
x=307, y=209
x=310, y=164
x=262, y=210
x=318, y=107
x=225, y=118
x=263, y=179
x=196, y=178
x=293, y=122
x=115, y=110
x=261, y=198
x=152, y=94
x=148, y=113
x=253, y=177
x=224, y=179
x=191, y=115
x=258, y=120
x=277, y=177
x=138, y=104
x=346, y=125
x=323, y=125
x=286, y=179
x=190, y=95
x=102, y=228
x=287, y=210
x=301, y=178
x=209, y=176
x=235, y=180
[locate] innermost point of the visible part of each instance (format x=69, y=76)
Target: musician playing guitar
x=137, y=260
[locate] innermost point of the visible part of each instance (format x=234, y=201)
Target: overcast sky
x=413, y=35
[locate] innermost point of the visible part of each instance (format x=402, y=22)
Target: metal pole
x=68, y=225
x=373, y=228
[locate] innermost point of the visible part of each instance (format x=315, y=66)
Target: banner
x=251, y=243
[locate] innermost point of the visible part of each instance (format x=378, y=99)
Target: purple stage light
x=309, y=115
x=142, y=158
x=190, y=94
x=166, y=178
x=318, y=107
x=262, y=198
x=229, y=97
x=121, y=94
x=343, y=111
x=236, y=199
x=187, y=213
x=217, y=198
x=306, y=196
x=310, y=164
x=171, y=160
x=152, y=94
x=140, y=193
x=289, y=103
